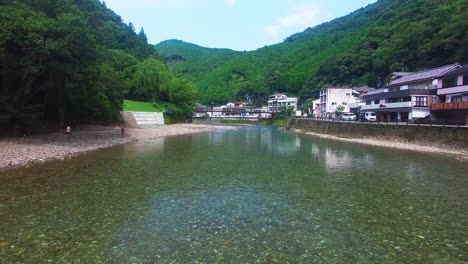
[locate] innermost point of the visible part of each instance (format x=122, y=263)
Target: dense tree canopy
x=69, y=60
x=362, y=48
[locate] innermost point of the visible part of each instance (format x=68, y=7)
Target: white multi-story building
x=332, y=98
x=277, y=101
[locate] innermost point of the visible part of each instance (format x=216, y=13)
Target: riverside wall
x=451, y=137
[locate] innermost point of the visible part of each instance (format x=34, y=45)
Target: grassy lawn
x=140, y=106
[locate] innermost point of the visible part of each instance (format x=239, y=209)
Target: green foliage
x=306, y=105
x=284, y=112
x=155, y=82
x=130, y=105
x=152, y=80
x=362, y=48
x=65, y=60
x=339, y=110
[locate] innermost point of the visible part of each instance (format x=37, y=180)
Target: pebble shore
x=16, y=152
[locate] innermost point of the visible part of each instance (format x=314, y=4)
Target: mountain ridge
x=361, y=48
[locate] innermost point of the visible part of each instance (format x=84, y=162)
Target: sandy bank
x=22, y=151
x=459, y=154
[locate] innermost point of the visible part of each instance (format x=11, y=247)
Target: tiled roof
x=424, y=75
x=401, y=74
x=364, y=89
x=461, y=70
x=378, y=91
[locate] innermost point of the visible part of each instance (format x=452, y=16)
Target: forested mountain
x=192, y=60
x=362, y=48
x=62, y=61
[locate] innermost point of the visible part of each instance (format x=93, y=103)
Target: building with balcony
x=408, y=97
x=358, y=93
x=452, y=96
x=277, y=101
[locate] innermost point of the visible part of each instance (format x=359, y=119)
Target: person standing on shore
x=68, y=132
x=122, y=131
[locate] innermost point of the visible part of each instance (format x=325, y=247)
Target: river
x=245, y=196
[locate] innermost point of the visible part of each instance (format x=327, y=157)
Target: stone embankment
x=22, y=151
x=451, y=141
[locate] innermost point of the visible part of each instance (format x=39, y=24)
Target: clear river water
x=246, y=196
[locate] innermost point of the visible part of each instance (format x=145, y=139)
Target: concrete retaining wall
x=142, y=119
x=424, y=135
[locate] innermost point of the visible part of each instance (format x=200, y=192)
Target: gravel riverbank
x=22, y=151
x=460, y=154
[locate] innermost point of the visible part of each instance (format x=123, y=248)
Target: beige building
x=332, y=98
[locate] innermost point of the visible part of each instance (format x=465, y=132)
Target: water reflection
x=244, y=196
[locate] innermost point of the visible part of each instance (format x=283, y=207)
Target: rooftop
x=424, y=75
x=365, y=89
x=401, y=74
x=457, y=71
x=336, y=87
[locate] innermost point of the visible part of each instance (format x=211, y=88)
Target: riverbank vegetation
x=68, y=61
x=135, y=106
x=362, y=48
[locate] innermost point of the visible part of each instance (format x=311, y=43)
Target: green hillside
x=362, y=48
x=63, y=62
x=193, y=61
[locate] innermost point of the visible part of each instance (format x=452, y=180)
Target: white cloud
x=231, y=2
x=301, y=17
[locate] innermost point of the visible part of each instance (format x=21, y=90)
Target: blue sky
x=234, y=24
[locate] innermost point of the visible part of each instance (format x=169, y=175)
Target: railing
x=449, y=106
x=417, y=122
x=385, y=105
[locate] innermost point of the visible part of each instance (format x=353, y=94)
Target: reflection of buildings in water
x=339, y=160
x=413, y=171
x=285, y=144
x=217, y=138
x=266, y=137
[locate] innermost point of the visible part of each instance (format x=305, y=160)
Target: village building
x=277, y=101
x=452, y=96
x=332, y=98
x=408, y=97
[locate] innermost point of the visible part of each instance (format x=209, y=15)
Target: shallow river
x=246, y=196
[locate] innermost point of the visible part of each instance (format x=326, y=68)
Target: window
x=377, y=101
x=421, y=85
x=393, y=100
x=451, y=82
x=333, y=103
x=465, y=79
x=407, y=99
x=368, y=102
x=344, y=103
x=458, y=98
x=348, y=94
x=420, y=101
